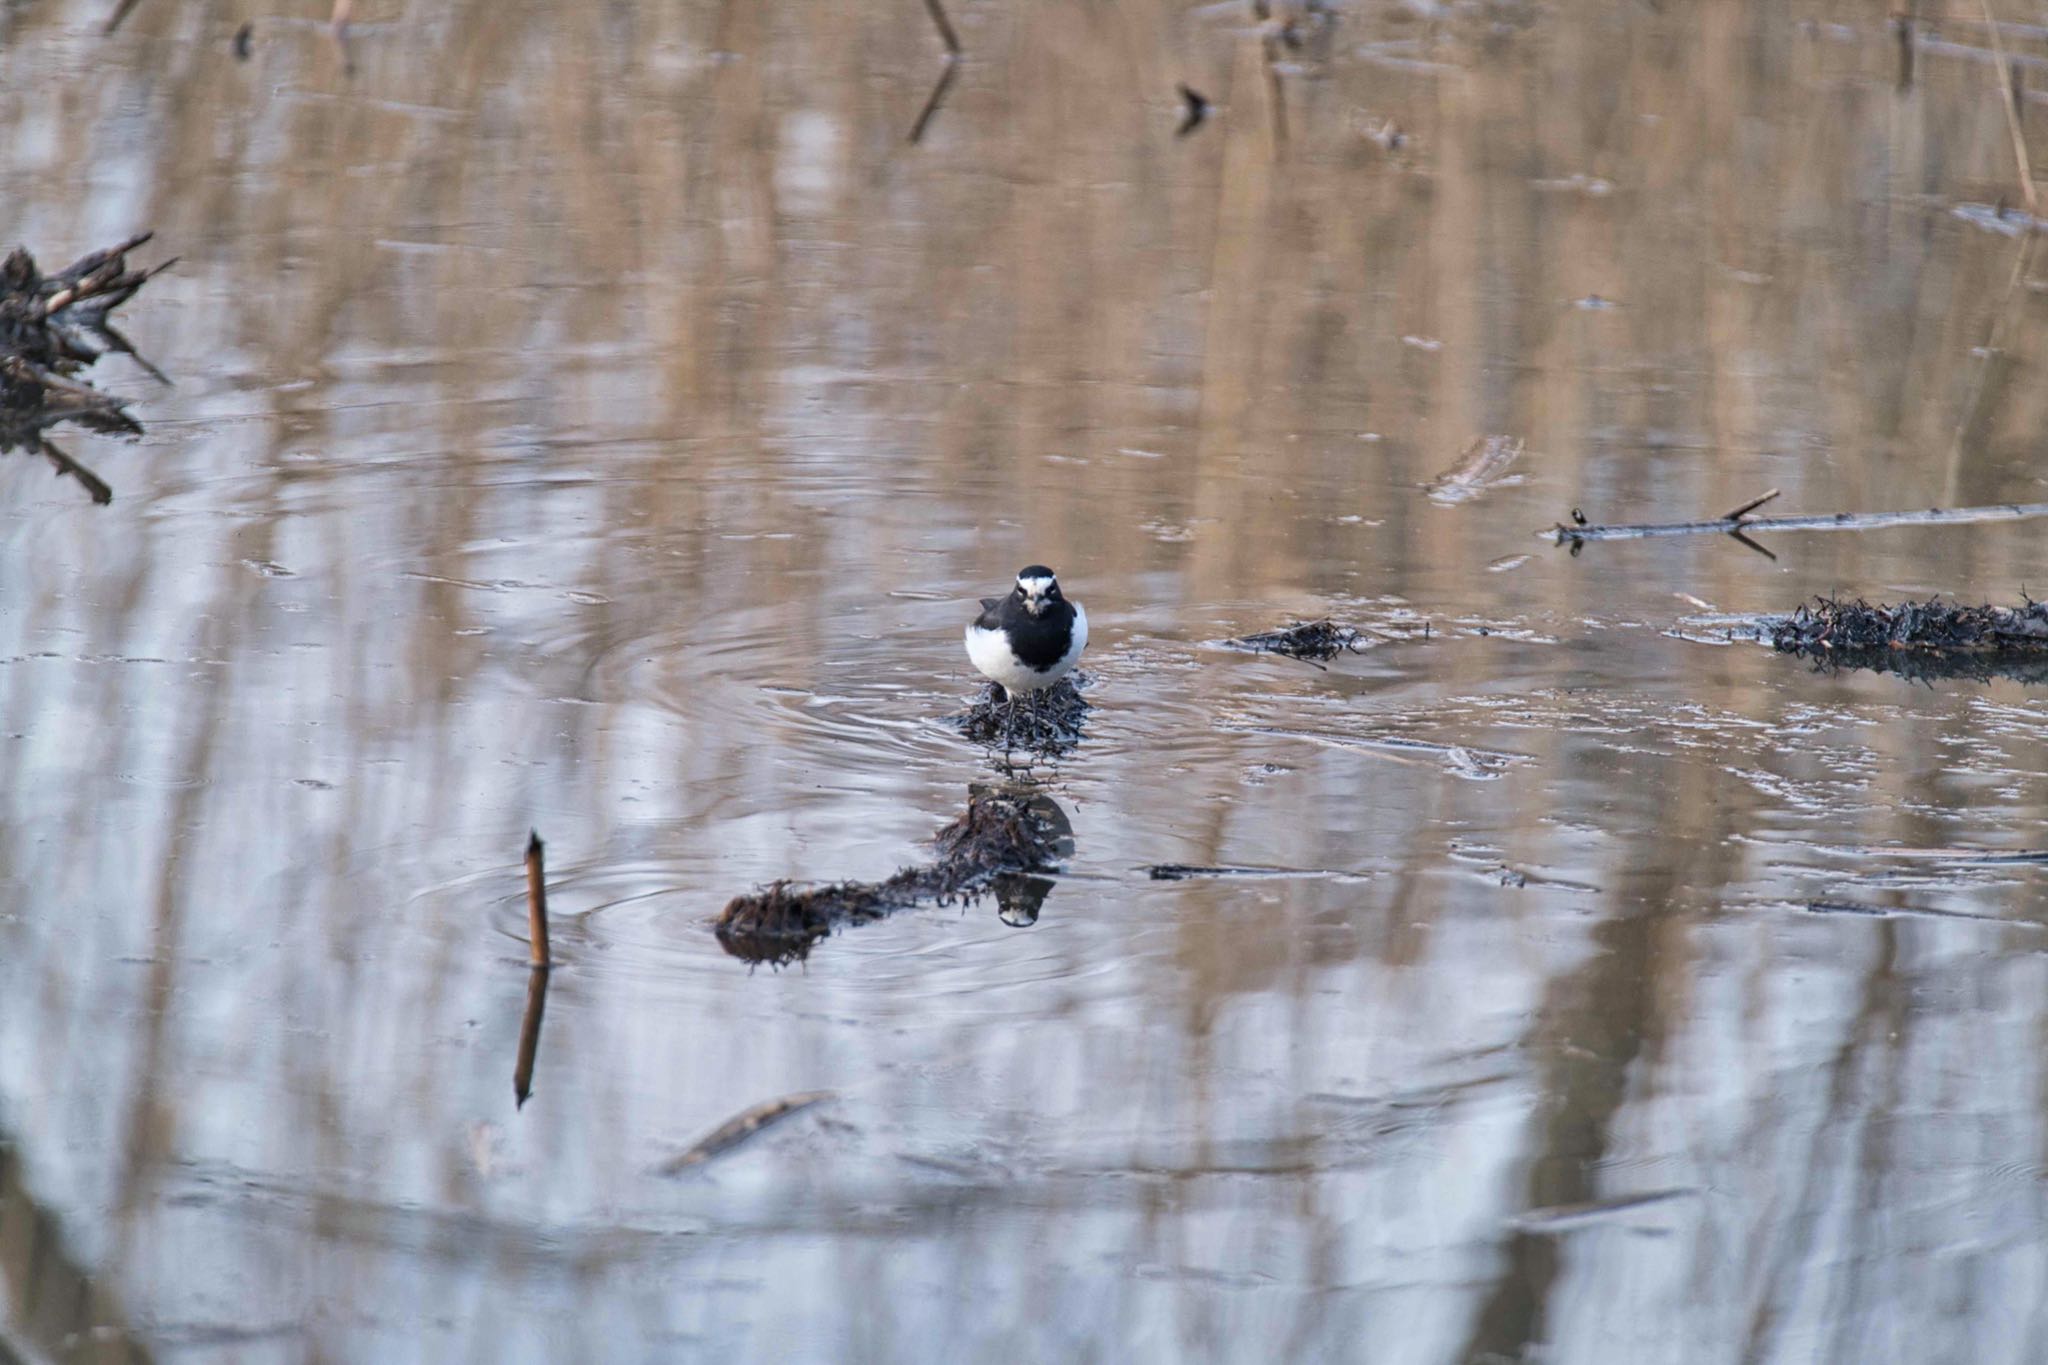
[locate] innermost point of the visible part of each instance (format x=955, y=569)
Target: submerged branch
x=1738, y=524
x=739, y=1128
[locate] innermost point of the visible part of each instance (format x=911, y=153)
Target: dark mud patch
x=1920, y=640
x=53, y=327
x=1046, y=722
x=1002, y=843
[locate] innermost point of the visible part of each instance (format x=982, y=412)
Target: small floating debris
x=51, y=328
x=1920, y=639
x=1000, y=843
x=739, y=1128
x=1385, y=134
x=1483, y=465
x=1046, y=722
x=2002, y=219
x=1183, y=872
x=1312, y=641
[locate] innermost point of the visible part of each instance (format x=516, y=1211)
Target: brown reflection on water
x=600, y=418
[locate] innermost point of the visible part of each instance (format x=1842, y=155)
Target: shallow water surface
x=601, y=420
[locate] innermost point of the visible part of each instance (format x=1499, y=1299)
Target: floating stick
x=1742, y=526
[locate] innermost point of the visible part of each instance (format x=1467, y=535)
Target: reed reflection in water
x=599, y=418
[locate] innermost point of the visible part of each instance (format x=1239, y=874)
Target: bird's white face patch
x=1034, y=590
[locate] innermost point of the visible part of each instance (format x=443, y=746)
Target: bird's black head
x=1038, y=589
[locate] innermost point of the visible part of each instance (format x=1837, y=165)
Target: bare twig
x=1827, y=521
x=93, y=484
x=1749, y=506
x=537, y=905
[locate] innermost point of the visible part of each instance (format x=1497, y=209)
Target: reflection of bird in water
x=1031, y=639
x=1020, y=895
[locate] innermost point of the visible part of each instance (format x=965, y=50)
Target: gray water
x=599, y=419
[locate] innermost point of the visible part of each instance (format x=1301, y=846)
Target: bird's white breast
x=990, y=652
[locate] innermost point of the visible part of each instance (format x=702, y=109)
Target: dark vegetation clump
x=52, y=327
x=1046, y=722
x=1932, y=639
x=1000, y=837
x=1315, y=641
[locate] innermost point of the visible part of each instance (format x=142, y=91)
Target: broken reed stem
x=2008, y=95
x=529, y=1035
x=1750, y=506
x=537, y=905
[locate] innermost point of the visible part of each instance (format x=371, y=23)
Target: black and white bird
x=1031, y=639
